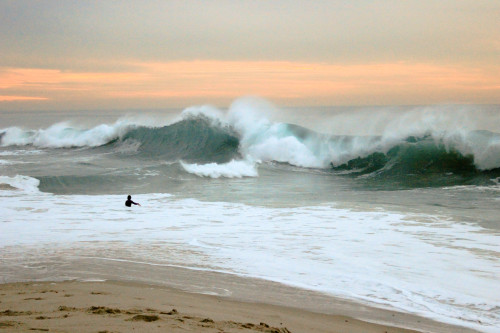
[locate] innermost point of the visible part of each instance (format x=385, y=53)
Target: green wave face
x=192, y=140
x=418, y=163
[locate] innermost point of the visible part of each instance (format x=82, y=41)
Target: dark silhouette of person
x=129, y=202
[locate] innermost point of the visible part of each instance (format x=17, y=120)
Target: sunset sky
x=65, y=55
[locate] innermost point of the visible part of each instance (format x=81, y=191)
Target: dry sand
x=74, y=306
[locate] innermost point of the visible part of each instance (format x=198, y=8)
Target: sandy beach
x=111, y=306
x=125, y=307
x=118, y=296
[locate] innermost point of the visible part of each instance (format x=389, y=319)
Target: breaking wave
x=211, y=143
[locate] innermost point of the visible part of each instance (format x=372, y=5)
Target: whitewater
x=390, y=207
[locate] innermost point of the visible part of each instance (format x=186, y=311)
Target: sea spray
x=267, y=141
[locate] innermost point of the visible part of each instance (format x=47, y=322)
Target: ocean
x=393, y=207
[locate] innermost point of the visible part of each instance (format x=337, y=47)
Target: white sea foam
x=284, y=149
x=22, y=152
x=63, y=135
x=232, y=169
x=423, y=264
x=24, y=184
x=8, y=153
x=12, y=162
x=267, y=141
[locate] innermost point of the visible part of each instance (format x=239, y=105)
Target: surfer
x=129, y=202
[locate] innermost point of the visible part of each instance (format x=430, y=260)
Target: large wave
x=212, y=143
x=194, y=139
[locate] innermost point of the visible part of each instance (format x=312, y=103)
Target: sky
x=76, y=55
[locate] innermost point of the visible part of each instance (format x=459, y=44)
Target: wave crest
x=63, y=135
x=232, y=169
x=419, y=142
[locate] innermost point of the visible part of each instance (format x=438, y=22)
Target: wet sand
x=111, y=306
x=141, y=297
x=125, y=307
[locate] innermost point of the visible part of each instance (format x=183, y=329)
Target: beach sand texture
x=125, y=307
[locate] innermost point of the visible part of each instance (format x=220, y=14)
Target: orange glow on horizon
x=21, y=98
x=284, y=80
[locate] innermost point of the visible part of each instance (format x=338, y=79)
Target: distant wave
x=63, y=135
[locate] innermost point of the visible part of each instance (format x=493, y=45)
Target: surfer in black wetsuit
x=129, y=202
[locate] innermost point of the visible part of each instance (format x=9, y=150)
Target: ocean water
x=395, y=207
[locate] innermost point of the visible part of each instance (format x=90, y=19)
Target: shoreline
x=197, y=292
